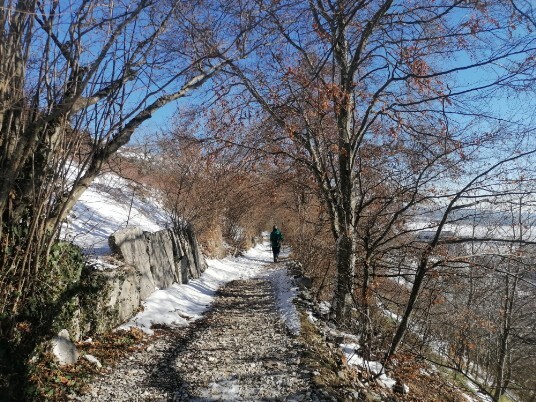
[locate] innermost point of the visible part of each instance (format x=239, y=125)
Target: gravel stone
x=239, y=351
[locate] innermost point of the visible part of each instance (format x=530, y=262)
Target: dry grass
x=344, y=382
x=331, y=375
x=53, y=382
x=425, y=385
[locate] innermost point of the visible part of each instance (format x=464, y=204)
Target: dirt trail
x=239, y=351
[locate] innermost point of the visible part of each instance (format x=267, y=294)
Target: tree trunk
x=345, y=277
x=415, y=290
x=364, y=313
x=346, y=241
x=501, y=369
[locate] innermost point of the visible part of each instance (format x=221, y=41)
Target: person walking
x=276, y=237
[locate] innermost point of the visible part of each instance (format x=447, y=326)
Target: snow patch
x=225, y=390
x=285, y=294
x=311, y=317
x=350, y=352
x=324, y=307
x=481, y=397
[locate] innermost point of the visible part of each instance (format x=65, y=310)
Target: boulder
x=131, y=245
x=161, y=258
x=186, y=255
x=180, y=258
x=400, y=387
x=141, y=262
x=197, y=262
x=63, y=349
x=113, y=299
x=191, y=258
x=303, y=282
x=124, y=292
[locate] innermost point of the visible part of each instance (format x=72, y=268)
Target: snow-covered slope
x=109, y=205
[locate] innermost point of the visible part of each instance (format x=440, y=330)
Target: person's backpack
x=279, y=238
x=275, y=238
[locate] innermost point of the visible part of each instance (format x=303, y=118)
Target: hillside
x=109, y=204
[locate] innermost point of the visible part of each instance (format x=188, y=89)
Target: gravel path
x=239, y=351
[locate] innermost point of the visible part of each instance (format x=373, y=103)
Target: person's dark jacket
x=276, y=237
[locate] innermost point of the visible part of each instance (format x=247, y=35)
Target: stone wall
x=146, y=262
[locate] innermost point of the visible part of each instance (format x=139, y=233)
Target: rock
x=117, y=301
x=306, y=295
x=94, y=360
x=194, y=258
x=131, y=245
x=182, y=262
x=295, y=268
x=339, y=339
x=379, y=382
x=324, y=307
x=161, y=259
x=372, y=396
x=304, y=282
x=63, y=349
x=189, y=260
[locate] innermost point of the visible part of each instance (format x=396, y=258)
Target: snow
x=108, y=205
x=100, y=265
x=353, y=359
x=227, y=390
x=285, y=294
x=481, y=397
x=180, y=304
x=92, y=359
x=497, y=227
x=324, y=307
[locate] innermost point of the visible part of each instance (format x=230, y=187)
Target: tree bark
x=410, y=305
x=343, y=299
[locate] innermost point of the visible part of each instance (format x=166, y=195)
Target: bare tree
x=347, y=83
x=221, y=191
x=395, y=110
x=77, y=80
